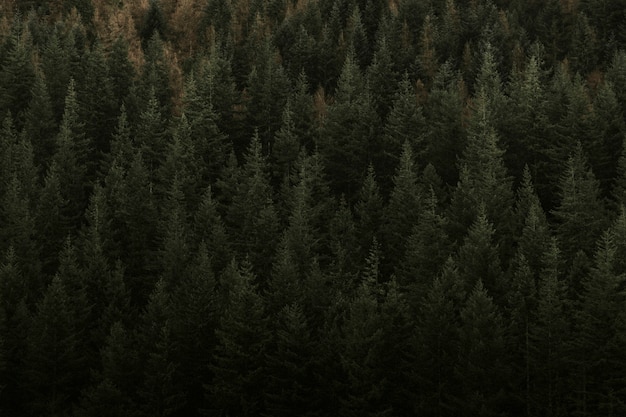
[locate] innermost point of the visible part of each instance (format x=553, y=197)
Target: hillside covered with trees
x=312, y=208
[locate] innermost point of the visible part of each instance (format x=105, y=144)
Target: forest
x=312, y=208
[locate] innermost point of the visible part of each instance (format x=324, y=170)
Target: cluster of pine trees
x=312, y=208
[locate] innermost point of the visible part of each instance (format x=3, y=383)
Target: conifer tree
x=348, y=139
x=427, y=249
x=402, y=211
x=39, y=122
x=268, y=87
x=483, y=176
x=97, y=105
x=482, y=368
x=595, y=321
x=369, y=212
x=150, y=136
x=72, y=159
x=50, y=224
x=444, y=134
x=211, y=146
x=380, y=75
x=436, y=340
x=251, y=217
x=549, y=333
x=291, y=365
x=580, y=215
x=520, y=309
x=209, y=229
x=54, y=364
x=238, y=362
x=121, y=70
x=194, y=317
x=405, y=124
x=479, y=259
x=17, y=74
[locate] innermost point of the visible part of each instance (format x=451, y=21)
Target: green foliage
x=281, y=207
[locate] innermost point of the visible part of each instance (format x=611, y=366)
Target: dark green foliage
x=285, y=208
x=238, y=363
x=54, y=363
x=580, y=215
x=348, y=141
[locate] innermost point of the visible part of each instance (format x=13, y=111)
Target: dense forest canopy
x=312, y=208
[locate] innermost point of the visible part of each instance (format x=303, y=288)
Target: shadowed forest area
x=312, y=208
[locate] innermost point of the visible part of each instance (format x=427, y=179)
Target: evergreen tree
x=39, y=122
x=157, y=391
x=595, y=320
x=348, y=139
x=54, y=365
x=444, y=134
x=71, y=159
x=402, y=211
x=483, y=176
x=17, y=75
x=580, y=215
x=211, y=146
x=427, y=249
x=238, y=362
x=369, y=212
x=208, y=228
x=549, y=333
x=479, y=259
x=482, y=368
x=405, y=124
x=252, y=218
x=290, y=386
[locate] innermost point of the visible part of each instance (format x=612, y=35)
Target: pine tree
x=71, y=159
x=360, y=354
x=549, y=334
x=369, y=212
x=54, y=366
x=268, y=87
x=290, y=386
x=380, y=75
x=483, y=176
x=252, y=219
x=445, y=135
x=580, y=215
x=97, y=105
x=238, y=362
x=482, y=369
x=348, y=139
x=17, y=75
x=209, y=229
x=479, y=259
x=402, y=211
x=595, y=321
x=211, y=146
x=39, y=122
x=405, y=124
x=150, y=136
x=427, y=249
x=436, y=340
x=49, y=222
x=521, y=305
x=194, y=317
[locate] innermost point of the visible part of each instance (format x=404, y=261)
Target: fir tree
x=238, y=362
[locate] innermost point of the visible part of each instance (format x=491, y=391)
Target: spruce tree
x=54, y=364
x=482, y=369
x=238, y=362
x=580, y=215
x=549, y=334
